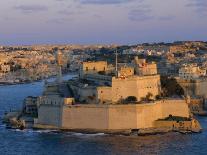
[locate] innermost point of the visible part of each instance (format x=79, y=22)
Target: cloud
x=97, y=16
x=104, y=1
x=70, y=13
x=66, y=12
x=141, y=13
x=200, y=6
x=59, y=20
x=31, y=8
x=166, y=18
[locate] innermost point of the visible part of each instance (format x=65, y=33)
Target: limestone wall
x=194, y=87
x=85, y=117
x=93, y=67
x=97, y=66
x=50, y=115
x=103, y=94
x=201, y=87
x=121, y=117
x=126, y=71
x=133, y=116
x=122, y=88
x=148, y=69
x=175, y=108
x=136, y=86
x=147, y=114
x=83, y=93
x=111, y=117
x=148, y=85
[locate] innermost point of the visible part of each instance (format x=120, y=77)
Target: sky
x=26, y=22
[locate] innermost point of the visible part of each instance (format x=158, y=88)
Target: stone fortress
x=104, y=98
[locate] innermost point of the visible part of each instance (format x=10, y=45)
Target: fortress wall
x=85, y=117
x=135, y=86
x=122, y=88
x=122, y=117
x=175, y=108
x=83, y=93
x=49, y=115
x=196, y=87
x=147, y=114
x=149, y=84
x=111, y=117
x=133, y=116
x=201, y=88
x=103, y=94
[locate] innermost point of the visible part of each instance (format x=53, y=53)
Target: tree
x=158, y=97
x=149, y=96
x=170, y=87
x=131, y=99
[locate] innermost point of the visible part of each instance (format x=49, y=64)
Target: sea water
x=51, y=142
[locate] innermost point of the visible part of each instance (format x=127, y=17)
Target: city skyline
x=26, y=22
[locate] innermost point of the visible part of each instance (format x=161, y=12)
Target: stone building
x=96, y=101
x=191, y=72
x=93, y=67
x=104, y=87
x=30, y=106
x=143, y=68
x=5, y=68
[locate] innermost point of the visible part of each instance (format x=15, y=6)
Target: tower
x=116, y=64
x=59, y=59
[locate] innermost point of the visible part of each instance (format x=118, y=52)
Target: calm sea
x=31, y=142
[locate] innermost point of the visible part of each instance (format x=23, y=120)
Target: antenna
x=116, y=63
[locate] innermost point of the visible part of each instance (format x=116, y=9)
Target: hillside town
x=29, y=63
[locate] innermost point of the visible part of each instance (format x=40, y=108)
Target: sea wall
x=175, y=108
x=111, y=117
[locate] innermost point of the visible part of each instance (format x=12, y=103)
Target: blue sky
x=101, y=21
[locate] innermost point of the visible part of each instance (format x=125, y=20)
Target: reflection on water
x=53, y=142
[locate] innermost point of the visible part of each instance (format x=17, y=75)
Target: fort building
x=103, y=99
x=143, y=68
